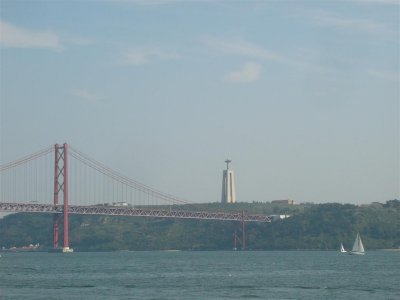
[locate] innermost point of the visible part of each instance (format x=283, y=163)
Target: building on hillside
x=286, y=202
x=120, y=204
x=228, y=185
x=279, y=217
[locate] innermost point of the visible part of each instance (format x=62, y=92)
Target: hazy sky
x=303, y=96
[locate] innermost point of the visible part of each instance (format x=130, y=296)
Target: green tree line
x=310, y=226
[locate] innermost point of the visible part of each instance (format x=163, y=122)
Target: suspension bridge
x=61, y=180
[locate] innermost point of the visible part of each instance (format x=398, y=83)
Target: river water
x=200, y=275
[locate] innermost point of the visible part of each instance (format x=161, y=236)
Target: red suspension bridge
x=62, y=180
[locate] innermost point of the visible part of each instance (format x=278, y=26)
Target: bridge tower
x=61, y=185
x=228, y=185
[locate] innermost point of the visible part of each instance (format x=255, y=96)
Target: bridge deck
x=133, y=212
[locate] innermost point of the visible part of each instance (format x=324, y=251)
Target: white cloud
x=248, y=73
x=142, y=56
x=84, y=94
x=249, y=50
x=12, y=36
x=367, y=26
x=240, y=47
x=16, y=37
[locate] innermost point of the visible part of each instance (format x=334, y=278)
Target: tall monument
x=228, y=185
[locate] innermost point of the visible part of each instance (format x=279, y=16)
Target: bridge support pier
x=243, y=235
x=61, y=184
x=236, y=239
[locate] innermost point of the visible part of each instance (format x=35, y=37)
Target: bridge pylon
x=61, y=185
x=236, y=238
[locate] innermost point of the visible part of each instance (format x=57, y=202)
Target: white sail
x=358, y=247
x=360, y=244
x=342, y=248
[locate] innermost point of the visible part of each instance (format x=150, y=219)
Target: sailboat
x=342, y=250
x=358, y=248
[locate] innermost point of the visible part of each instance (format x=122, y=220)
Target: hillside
x=311, y=226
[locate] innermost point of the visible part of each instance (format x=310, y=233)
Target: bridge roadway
x=134, y=212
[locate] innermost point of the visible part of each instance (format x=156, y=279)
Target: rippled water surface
x=200, y=275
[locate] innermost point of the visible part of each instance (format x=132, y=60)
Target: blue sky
x=303, y=96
